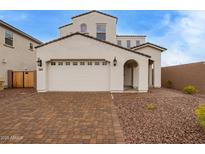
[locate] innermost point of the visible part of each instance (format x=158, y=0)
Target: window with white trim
x=128, y=43
x=101, y=31
x=83, y=28
x=137, y=42
x=119, y=42
x=9, y=38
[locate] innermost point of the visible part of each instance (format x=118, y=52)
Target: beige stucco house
x=90, y=56
x=17, y=50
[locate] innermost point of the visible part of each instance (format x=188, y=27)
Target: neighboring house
x=17, y=52
x=90, y=56
x=185, y=74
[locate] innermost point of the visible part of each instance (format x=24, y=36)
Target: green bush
x=190, y=89
x=169, y=84
x=151, y=106
x=200, y=113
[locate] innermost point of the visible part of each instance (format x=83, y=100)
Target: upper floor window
x=31, y=46
x=101, y=31
x=137, y=43
x=119, y=42
x=128, y=43
x=9, y=38
x=83, y=28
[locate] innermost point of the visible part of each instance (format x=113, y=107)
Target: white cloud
x=184, y=38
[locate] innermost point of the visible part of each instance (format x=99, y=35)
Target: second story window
x=128, y=43
x=137, y=43
x=31, y=46
x=119, y=42
x=9, y=38
x=83, y=28
x=101, y=31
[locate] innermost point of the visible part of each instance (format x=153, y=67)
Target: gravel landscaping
x=171, y=120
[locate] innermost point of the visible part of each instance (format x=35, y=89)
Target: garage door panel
x=78, y=78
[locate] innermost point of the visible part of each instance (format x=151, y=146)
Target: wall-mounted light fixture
x=39, y=62
x=115, y=61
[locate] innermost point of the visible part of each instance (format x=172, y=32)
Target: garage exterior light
x=115, y=61
x=39, y=62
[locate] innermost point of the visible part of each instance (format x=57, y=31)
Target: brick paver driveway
x=29, y=117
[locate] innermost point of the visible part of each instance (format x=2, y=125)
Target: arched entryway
x=131, y=75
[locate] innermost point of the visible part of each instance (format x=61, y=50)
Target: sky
x=181, y=32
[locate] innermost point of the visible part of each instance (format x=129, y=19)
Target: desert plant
x=169, y=84
x=200, y=113
x=151, y=106
x=190, y=89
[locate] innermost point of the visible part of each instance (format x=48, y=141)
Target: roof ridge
x=92, y=12
x=88, y=36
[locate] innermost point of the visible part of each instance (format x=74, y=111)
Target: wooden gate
x=21, y=79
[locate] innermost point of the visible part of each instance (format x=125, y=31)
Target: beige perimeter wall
x=183, y=75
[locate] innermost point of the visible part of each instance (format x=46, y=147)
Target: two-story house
x=90, y=56
x=17, y=52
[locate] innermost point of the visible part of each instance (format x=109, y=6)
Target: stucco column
x=143, y=76
x=135, y=77
x=42, y=78
x=150, y=76
x=157, y=74
x=116, y=77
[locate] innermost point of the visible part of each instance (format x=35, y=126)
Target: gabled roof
x=150, y=45
x=88, y=36
x=10, y=27
x=92, y=12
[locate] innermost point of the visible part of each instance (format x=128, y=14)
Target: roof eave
x=106, y=42
x=151, y=45
x=65, y=25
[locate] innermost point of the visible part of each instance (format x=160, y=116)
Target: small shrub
x=151, y=106
x=200, y=113
x=169, y=84
x=190, y=89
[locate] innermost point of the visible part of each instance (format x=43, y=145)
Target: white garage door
x=78, y=76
